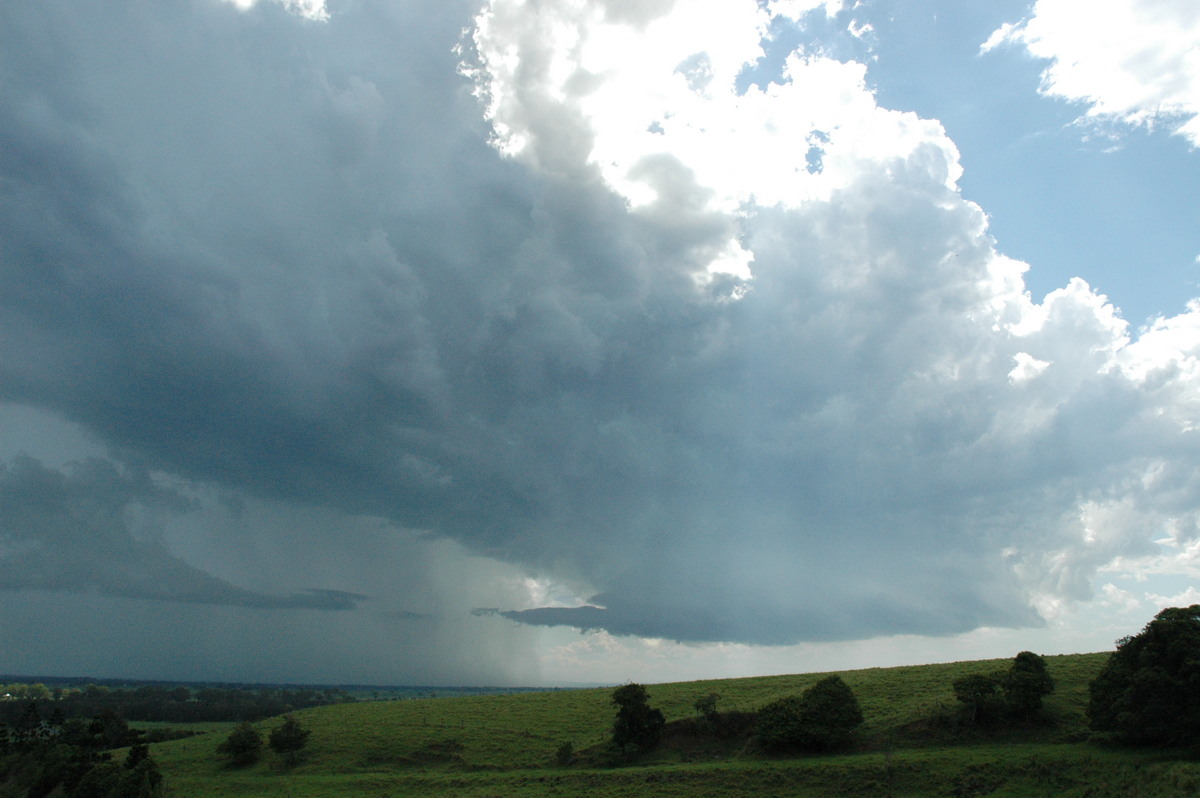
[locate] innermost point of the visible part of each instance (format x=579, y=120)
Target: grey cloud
x=95, y=529
x=280, y=258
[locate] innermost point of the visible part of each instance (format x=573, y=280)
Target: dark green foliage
x=165, y=703
x=1025, y=684
x=29, y=725
x=979, y=694
x=137, y=754
x=706, y=706
x=1149, y=690
x=99, y=782
x=243, y=746
x=144, y=780
x=823, y=718
x=831, y=713
x=109, y=730
x=637, y=726
x=780, y=726
x=289, y=739
x=1017, y=693
x=64, y=766
x=564, y=754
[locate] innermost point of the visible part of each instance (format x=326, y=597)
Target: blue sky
x=509, y=343
x=1117, y=207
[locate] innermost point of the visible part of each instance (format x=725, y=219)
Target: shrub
x=289, y=739
x=823, y=718
x=706, y=706
x=979, y=694
x=243, y=746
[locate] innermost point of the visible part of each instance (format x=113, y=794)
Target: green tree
x=138, y=753
x=99, y=782
x=780, y=725
x=29, y=725
x=831, y=713
x=979, y=694
x=143, y=780
x=1025, y=684
x=1149, y=690
x=637, y=726
x=110, y=730
x=706, y=706
x=289, y=739
x=822, y=718
x=243, y=746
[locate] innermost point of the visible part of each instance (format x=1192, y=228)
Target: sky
x=552, y=342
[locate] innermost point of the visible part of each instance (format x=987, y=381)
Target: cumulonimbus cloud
x=636, y=342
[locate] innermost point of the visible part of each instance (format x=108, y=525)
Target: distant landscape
x=943, y=729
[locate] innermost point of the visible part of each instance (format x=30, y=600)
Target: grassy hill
x=505, y=745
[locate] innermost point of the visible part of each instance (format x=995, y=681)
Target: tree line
x=178, y=704
x=45, y=757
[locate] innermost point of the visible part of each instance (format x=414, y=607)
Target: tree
x=637, y=725
x=979, y=694
x=110, y=730
x=1026, y=682
x=289, y=739
x=243, y=746
x=138, y=752
x=143, y=780
x=823, y=718
x=831, y=713
x=706, y=706
x=99, y=782
x=29, y=726
x=1149, y=689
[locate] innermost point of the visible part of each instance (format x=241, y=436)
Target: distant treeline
x=179, y=704
x=190, y=703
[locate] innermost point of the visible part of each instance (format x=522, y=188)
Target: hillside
x=506, y=745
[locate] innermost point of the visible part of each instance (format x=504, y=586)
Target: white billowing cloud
x=863, y=257
x=653, y=108
x=1135, y=61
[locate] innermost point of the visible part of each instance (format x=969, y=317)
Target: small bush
x=243, y=746
x=289, y=739
x=706, y=706
x=564, y=754
x=823, y=718
x=979, y=694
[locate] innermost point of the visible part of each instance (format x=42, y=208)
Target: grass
x=504, y=745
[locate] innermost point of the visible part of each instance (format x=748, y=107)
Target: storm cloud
x=730, y=365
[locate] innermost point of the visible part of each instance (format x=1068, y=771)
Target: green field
x=502, y=745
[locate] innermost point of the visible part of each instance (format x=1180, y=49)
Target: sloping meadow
x=911, y=743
